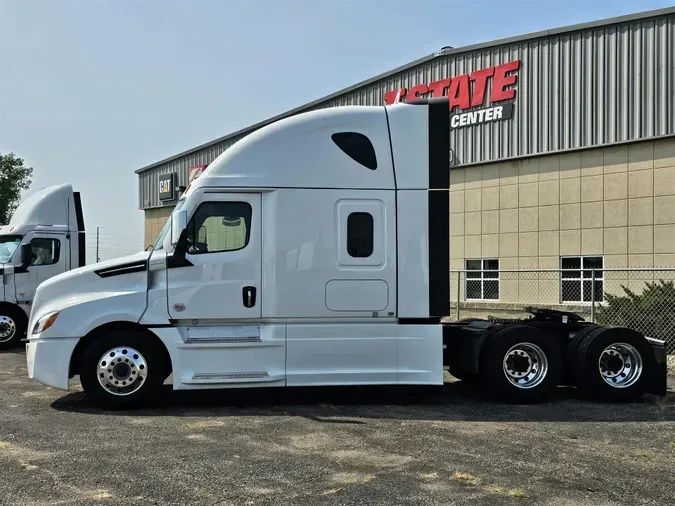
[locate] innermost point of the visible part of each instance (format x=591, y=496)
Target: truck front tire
x=521, y=364
x=13, y=324
x=122, y=369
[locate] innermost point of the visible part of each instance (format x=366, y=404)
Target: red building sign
x=195, y=171
x=479, y=88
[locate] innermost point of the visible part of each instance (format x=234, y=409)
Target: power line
x=103, y=240
x=122, y=244
x=118, y=246
x=107, y=234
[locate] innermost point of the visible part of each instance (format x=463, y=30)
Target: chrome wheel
x=525, y=365
x=7, y=329
x=122, y=371
x=620, y=365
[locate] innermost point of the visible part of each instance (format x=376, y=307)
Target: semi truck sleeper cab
x=44, y=237
x=315, y=251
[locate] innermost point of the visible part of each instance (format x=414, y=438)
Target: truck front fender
x=78, y=319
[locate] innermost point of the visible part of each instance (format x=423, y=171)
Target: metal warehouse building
x=562, y=148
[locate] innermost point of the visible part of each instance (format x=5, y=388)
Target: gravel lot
x=325, y=446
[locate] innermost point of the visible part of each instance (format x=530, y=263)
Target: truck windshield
x=159, y=244
x=8, y=245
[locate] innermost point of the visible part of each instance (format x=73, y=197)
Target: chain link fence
x=641, y=299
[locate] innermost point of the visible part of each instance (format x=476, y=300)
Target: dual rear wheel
x=521, y=363
x=614, y=364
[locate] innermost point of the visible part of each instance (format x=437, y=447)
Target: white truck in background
x=315, y=251
x=44, y=237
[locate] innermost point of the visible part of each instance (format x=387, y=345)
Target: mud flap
x=659, y=382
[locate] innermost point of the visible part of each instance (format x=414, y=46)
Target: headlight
x=45, y=322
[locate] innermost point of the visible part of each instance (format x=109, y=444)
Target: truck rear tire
x=571, y=366
x=521, y=364
x=615, y=364
x=13, y=324
x=122, y=369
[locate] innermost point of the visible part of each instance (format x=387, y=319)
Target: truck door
x=49, y=254
x=221, y=280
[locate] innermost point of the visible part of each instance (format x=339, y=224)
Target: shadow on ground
x=456, y=402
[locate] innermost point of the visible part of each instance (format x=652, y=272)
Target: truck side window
x=358, y=147
x=219, y=226
x=360, y=235
x=45, y=251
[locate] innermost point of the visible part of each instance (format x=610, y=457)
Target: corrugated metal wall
x=574, y=90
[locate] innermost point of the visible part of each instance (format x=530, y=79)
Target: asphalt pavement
x=343, y=446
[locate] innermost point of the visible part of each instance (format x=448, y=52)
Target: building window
x=577, y=279
x=219, y=226
x=45, y=251
x=360, y=235
x=482, y=279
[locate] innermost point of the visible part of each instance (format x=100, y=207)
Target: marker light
x=45, y=322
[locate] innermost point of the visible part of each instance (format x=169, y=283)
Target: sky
x=91, y=90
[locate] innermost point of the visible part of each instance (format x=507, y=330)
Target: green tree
x=651, y=312
x=14, y=177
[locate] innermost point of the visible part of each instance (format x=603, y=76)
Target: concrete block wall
x=155, y=219
x=618, y=202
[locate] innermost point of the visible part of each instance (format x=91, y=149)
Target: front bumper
x=48, y=360
x=659, y=381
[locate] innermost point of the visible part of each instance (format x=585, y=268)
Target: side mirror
x=178, y=224
x=26, y=255
x=177, y=258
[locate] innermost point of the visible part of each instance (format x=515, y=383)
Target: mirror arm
x=177, y=258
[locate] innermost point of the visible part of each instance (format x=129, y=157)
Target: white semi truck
x=45, y=237
x=315, y=251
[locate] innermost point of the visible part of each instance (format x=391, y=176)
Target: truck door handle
x=248, y=295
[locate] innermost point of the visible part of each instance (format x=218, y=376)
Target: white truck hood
x=119, y=276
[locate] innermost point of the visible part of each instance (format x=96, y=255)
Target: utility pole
x=97, y=257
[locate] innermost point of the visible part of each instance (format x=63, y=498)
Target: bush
x=651, y=312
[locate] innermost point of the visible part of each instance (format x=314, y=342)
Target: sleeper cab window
x=360, y=235
x=358, y=147
x=216, y=227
